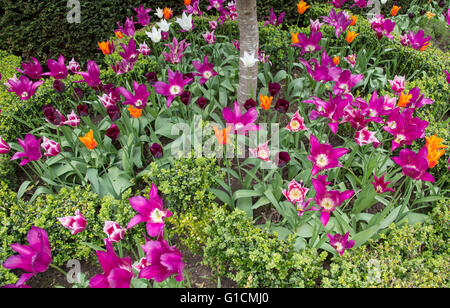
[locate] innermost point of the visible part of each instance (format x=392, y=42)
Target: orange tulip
x=119, y=34
x=336, y=60
x=89, y=141
x=265, y=101
x=404, y=100
x=295, y=38
x=395, y=10
x=433, y=144
x=135, y=112
x=302, y=6
x=167, y=13
x=104, y=47
x=351, y=36
x=354, y=20
x=187, y=2
x=430, y=15
x=425, y=47
x=222, y=135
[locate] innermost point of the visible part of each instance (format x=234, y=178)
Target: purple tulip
x=283, y=158
x=165, y=261
x=418, y=40
x=382, y=27
x=414, y=164
x=380, y=184
x=323, y=72
x=150, y=211
x=143, y=15
x=205, y=69
x=209, y=37
x=308, y=44
x=23, y=87
x=151, y=78
x=328, y=201
x=117, y=272
x=75, y=224
x=185, y=98
x=240, y=123
x=346, y=82
x=130, y=53
x=34, y=258
x=113, y=132
x=128, y=29
x=172, y=89
x=282, y=105
x=53, y=116
x=404, y=127
x=338, y=21
x=59, y=86
x=140, y=97
x=92, y=76
x=113, y=112
x=50, y=147
x=157, y=151
x=341, y=243
x=338, y=3
x=324, y=156
x=83, y=110
x=274, y=88
x=32, y=150
x=447, y=74
x=176, y=51
x=58, y=69
x=273, y=19
x=32, y=69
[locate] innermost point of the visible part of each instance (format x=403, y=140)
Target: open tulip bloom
x=31, y=150
x=75, y=224
x=58, y=69
x=324, y=156
x=32, y=69
x=139, y=98
x=172, y=89
x=414, y=165
x=240, y=123
x=273, y=19
x=328, y=201
x=205, y=70
x=150, y=211
x=34, y=258
x=92, y=76
x=22, y=86
x=117, y=272
x=341, y=243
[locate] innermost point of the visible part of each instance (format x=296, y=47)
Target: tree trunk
x=249, y=42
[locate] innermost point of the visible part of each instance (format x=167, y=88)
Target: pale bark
x=249, y=42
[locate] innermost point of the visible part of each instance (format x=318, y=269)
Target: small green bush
x=253, y=257
x=186, y=185
x=408, y=256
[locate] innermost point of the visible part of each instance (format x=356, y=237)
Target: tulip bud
x=114, y=231
x=50, y=147
x=113, y=132
x=4, y=147
x=83, y=110
x=283, y=158
x=274, y=88
x=113, y=112
x=202, y=102
x=186, y=98
x=250, y=104
x=59, y=86
x=282, y=105
x=156, y=150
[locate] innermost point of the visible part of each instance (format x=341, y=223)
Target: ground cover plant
x=301, y=145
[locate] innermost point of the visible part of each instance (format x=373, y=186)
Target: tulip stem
x=58, y=269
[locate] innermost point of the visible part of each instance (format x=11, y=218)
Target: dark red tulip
x=113, y=112
x=156, y=150
x=59, y=86
x=274, y=88
x=283, y=158
x=282, y=105
x=202, y=102
x=186, y=98
x=113, y=132
x=83, y=110
x=250, y=104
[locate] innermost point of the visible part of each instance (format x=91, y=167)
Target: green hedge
x=17, y=216
x=40, y=28
x=408, y=257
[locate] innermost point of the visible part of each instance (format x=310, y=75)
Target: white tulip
x=159, y=13
x=155, y=35
x=185, y=22
x=163, y=25
x=249, y=60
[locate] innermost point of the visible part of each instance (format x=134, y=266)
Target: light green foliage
x=17, y=217
x=186, y=184
x=409, y=256
x=255, y=258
